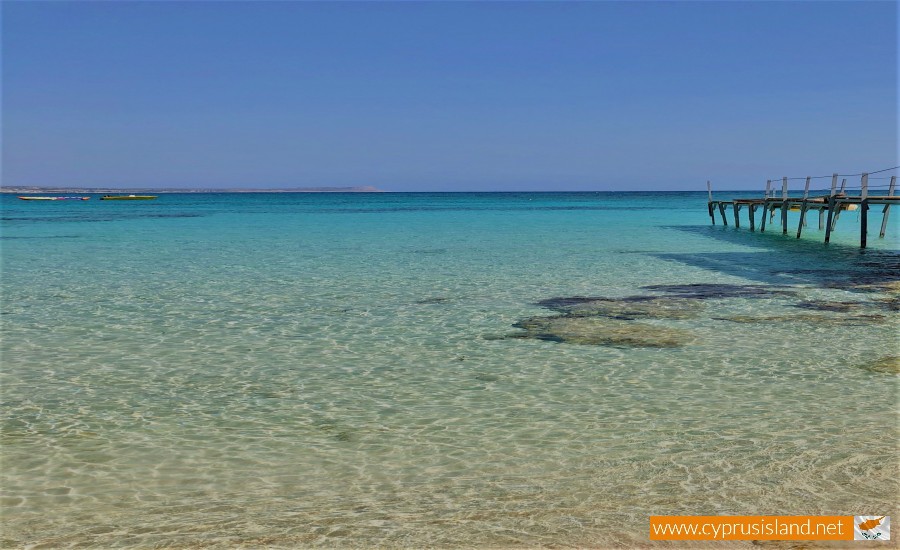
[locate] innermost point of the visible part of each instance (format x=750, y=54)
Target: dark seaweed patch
x=838, y=307
x=560, y=303
x=885, y=365
x=626, y=309
x=705, y=291
x=810, y=318
x=564, y=303
x=599, y=331
x=874, y=272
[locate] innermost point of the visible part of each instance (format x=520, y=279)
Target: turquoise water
x=342, y=370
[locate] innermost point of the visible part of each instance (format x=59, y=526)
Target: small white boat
x=54, y=198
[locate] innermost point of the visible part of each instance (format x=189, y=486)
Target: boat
x=54, y=198
x=127, y=197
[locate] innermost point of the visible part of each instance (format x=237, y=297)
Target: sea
x=435, y=370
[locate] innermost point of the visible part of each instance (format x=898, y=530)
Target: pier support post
x=737, y=220
x=803, y=206
x=887, y=208
x=829, y=225
x=802, y=219
x=765, y=211
x=750, y=209
x=712, y=213
x=784, y=205
x=834, y=178
x=863, y=222
x=722, y=212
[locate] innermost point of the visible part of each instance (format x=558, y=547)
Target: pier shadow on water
x=779, y=260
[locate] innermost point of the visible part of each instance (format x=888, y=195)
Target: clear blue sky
x=465, y=96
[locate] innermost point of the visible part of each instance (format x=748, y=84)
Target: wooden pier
x=832, y=204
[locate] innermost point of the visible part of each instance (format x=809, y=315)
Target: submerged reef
x=628, y=308
x=707, y=291
x=606, y=321
x=824, y=305
x=873, y=271
x=600, y=331
x=886, y=365
x=601, y=321
x=812, y=318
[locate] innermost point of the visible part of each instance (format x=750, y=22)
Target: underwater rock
x=824, y=305
x=890, y=304
x=563, y=303
x=600, y=331
x=711, y=291
x=628, y=308
x=828, y=320
x=886, y=365
x=871, y=276
x=891, y=287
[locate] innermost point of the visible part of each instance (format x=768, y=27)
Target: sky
x=446, y=96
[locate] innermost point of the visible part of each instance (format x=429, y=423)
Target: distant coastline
x=36, y=189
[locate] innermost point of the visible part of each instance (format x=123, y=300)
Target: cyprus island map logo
x=871, y=527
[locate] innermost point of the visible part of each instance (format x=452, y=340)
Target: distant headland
x=37, y=189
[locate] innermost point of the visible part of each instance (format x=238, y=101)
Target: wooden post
x=806, y=197
x=737, y=219
x=829, y=224
x=837, y=212
x=712, y=213
x=750, y=209
x=722, y=212
x=887, y=209
x=803, y=207
x=865, y=187
x=863, y=220
x=834, y=178
x=765, y=210
x=784, y=205
x=768, y=186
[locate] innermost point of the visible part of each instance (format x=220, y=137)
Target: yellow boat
x=127, y=197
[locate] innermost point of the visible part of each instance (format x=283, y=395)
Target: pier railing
x=831, y=200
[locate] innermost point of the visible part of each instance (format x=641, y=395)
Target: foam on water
x=344, y=370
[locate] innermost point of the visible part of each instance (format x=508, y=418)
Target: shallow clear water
x=342, y=370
